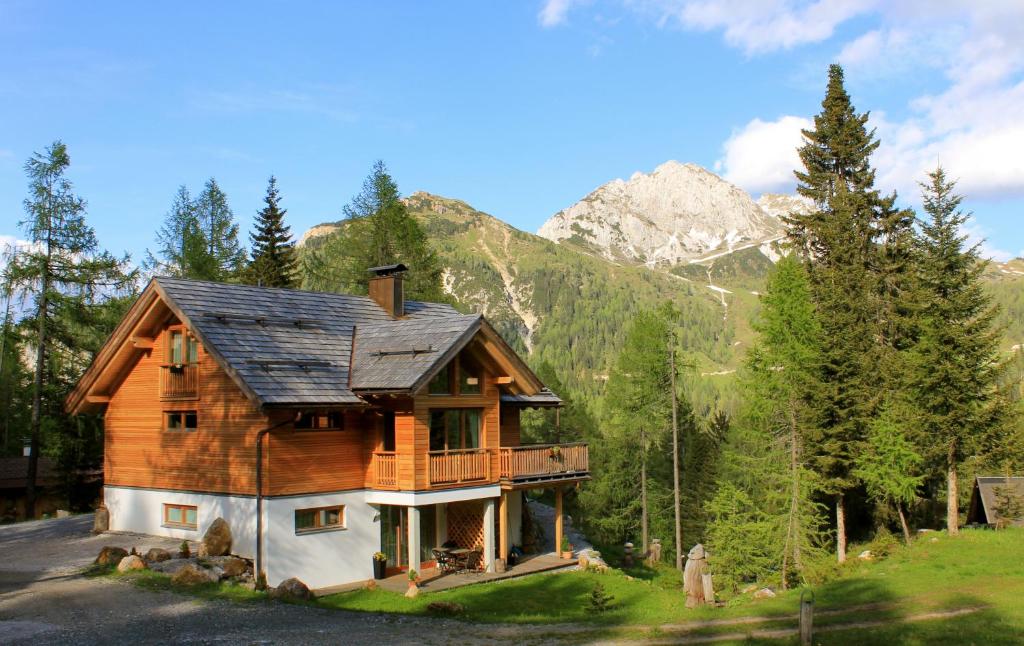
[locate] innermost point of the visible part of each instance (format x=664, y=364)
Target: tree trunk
x=792, y=538
x=675, y=457
x=903, y=522
x=37, y=397
x=643, y=503
x=952, y=495
x=841, y=529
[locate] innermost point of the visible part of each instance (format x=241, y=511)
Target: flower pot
x=379, y=568
x=567, y=554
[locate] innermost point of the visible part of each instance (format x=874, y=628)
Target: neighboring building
x=14, y=483
x=348, y=425
x=995, y=496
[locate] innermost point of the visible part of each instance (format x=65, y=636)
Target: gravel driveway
x=44, y=600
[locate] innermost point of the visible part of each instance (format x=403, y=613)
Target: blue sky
x=519, y=108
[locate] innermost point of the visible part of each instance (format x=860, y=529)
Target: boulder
x=131, y=562
x=110, y=555
x=764, y=593
x=170, y=566
x=590, y=559
x=234, y=566
x=748, y=588
x=101, y=520
x=217, y=539
x=191, y=574
x=291, y=590
x=156, y=555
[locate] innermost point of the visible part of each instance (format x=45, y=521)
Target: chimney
x=386, y=288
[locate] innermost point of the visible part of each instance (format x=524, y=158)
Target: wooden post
x=558, y=520
x=503, y=526
x=806, y=618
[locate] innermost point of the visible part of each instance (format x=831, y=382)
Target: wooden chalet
x=321, y=427
x=988, y=493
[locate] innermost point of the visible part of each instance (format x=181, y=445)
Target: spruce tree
x=378, y=230
x=225, y=257
x=66, y=273
x=956, y=359
x=273, y=261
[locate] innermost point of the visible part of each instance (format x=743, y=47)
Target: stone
x=111, y=555
x=371, y=584
x=131, y=562
x=101, y=520
x=234, y=566
x=291, y=590
x=749, y=588
x=866, y=555
x=170, y=566
x=217, y=539
x=764, y=593
x=156, y=555
x=191, y=574
x=590, y=559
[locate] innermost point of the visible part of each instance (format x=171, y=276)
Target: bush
x=599, y=600
x=446, y=608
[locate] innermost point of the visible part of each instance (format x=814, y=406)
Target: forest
x=874, y=382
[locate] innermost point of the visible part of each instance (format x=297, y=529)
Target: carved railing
x=464, y=465
x=179, y=381
x=544, y=460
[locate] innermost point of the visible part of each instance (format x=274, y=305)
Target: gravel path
x=44, y=600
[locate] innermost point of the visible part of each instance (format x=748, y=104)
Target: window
x=183, y=516
x=331, y=420
x=454, y=428
x=318, y=518
x=181, y=420
x=441, y=384
x=469, y=379
x=184, y=348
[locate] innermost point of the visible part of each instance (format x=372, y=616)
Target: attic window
x=441, y=384
x=184, y=348
x=469, y=378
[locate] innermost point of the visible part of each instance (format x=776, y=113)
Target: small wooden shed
x=989, y=500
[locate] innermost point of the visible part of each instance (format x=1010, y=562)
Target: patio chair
x=446, y=561
x=473, y=561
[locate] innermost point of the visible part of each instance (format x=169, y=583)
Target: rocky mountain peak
x=673, y=214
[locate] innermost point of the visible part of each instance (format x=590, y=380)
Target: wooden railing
x=385, y=469
x=465, y=465
x=544, y=460
x=179, y=381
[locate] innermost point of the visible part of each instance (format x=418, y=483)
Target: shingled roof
x=292, y=347
x=985, y=501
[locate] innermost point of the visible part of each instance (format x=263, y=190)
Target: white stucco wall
x=325, y=558
x=141, y=511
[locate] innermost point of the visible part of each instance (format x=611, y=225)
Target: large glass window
x=454, y=428
x=441, y=384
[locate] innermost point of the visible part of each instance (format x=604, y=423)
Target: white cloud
x=762, y=155
x=554, y=12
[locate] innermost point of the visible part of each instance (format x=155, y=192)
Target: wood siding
x=319, y=461
x=510, y=428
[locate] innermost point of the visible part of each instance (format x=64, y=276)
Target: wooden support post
x=503, y=526
x=489, y=534
x=414, y=539
x=558, y=520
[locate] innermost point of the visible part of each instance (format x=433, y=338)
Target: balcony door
x=454, y=429
x=394, y=536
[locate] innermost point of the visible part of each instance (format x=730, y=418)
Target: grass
x=979, y=569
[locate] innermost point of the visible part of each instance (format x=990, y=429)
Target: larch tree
x=225, y=256
x=378, y=230
x=273, y=261
x=66, y=273
x=181, y=245
x=955, y=386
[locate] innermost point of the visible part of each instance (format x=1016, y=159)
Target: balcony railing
x=544, y=461
x=465, y=465
x=179, y=381
x=385, y=470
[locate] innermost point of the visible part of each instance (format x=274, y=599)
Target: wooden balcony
x=179, y=381
x=385, y=470
x=456, y=467
x=544, y=462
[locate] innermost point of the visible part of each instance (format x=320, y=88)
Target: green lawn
x=981, y=571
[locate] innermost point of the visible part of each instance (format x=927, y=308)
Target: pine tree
x=957, y=369
x=225, y=257
x=840, y=244
x=66, y=273
x=181, y=246
x=378, y=230
x=273, y=256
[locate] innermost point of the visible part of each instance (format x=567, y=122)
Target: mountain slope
x=676, y=213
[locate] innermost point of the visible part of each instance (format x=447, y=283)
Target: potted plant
x=380, y=563
x=566, y=548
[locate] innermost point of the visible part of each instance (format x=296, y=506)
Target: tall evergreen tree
x=957, y=368
x=181, y=245
x=378, y=230
x=226, y=258
x=66, y=273
x=273, y=261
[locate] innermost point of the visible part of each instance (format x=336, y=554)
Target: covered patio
x=433, y=580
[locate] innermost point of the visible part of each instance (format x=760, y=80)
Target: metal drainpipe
x=258, y=569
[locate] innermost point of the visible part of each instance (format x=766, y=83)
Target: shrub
x=184, y=552
x=599, y=600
